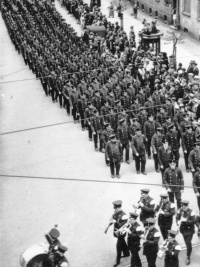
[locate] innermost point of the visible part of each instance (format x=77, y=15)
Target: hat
x=135, y=119
x=164, y=140
x=122, y=120
x=54, y=233
x=188, y=126
x=116, y=102
x=164, y=196
x=149, y=115
x=151, y=220
x=106, y=124
x=145, y=190
x=159, y=129
x=138, y=129
x=172, y=233
x=190, y=74
x=197, y=143
x=170, y=126
x=133, y=215
x=112, y=136
x=185, y=202
x=172, y=161
x=62, y=248
x=117, y=203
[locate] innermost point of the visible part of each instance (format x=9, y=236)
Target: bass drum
x=34, y=255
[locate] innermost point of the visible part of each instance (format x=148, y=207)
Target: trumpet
x=158, y=213
x=136, y=206
x=122, y=230
x=144, y=238
x=163, y=248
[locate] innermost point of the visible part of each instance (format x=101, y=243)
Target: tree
x=176, y=37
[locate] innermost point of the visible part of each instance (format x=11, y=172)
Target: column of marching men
x=124, y=97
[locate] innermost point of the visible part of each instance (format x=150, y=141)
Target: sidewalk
x=187, y=51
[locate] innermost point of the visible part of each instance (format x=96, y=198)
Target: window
x=187, y=6
x=198, y=9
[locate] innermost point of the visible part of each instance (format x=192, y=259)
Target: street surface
x=31, y=206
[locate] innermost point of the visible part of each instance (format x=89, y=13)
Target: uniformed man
x=172, y=137
x=165, y=212
x=81, y=107
x=88, y=116
x=57, y=259
x=147, y=206
x=97, y=127
x=185, y=219
x=198, y=223
x=150, y=127
x=194, y=158
x=138, y=145
x=164, y=156
x=133, y=240
x=52, y=238
x=196, y=186
x=156, y=142
x=119, y=219
x=172, y=250
x=150, y=243
x=142, y=118
x=188, y=140
x=123, y=136
x=174, y=183
x=113, y=155
x=105, y=136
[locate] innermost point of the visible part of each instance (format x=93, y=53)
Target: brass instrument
x=136, y=206
x=158, y=213
x=122, y=230
x=163, y=249
x=144, y=238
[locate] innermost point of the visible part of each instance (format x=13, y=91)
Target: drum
x=34, y=255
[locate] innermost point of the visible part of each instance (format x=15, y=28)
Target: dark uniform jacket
x=156, y=142
x=113, y=151
x=151, y=246
x=147, y=211
x=119, y=222
x=171, y=255
x=138, y=145
x=164, y=156
x=97, y=124
x=133, y=238
x=173, y=177
x=186, y=227
x=188, y=141
x=150, y=128
x=166, y=219
x=194, y=159
x=173, y=140
x=123, y=134
x=196, y=182
x=105, y=135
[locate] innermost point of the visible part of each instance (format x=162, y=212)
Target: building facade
x=185, y=12
x=190, y=17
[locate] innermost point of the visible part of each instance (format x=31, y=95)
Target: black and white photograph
x=99, y=133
